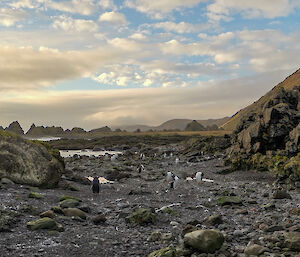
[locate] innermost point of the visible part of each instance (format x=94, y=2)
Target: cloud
x=114, y=18
x=84, y=7
x=68, y=24
x=8, y=17
x=107, y=4
x=159, y=9
x=111, y=107
x=249, y=9
x=181, y=27
x=25, y=4
x=27, y=68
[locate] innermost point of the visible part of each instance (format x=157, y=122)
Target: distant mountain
x=103, y=129
x=37, y=131
x=194, y=126
x=15, y=127
x=175, y=124
x=289, y=83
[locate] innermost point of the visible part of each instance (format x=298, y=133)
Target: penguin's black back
x=96, y=185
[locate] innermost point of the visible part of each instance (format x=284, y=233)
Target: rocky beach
x=244, y=212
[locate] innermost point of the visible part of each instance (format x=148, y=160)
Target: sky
x=91, y=63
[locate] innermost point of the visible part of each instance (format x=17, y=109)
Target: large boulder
x=28, y=162
x=141, y=216
x=204, y=241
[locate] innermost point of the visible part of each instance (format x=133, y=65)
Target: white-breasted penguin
x=170, y=176
x=177, y=160
x=199, y=176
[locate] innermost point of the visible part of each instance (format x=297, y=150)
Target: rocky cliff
x=268, y=138
x=28, y=162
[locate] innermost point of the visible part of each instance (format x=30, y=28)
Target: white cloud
x=114, y=18
x=158, y=9
x=107, y=4
x=27, y=68
x=24, y=4
x=84, y=7
x=249, y=9
x=181, y=27
x=68, y=24
x=138, y=36
x=8, y=17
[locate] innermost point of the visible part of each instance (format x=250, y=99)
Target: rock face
x=26, y=162
x=268, y=138
x=44, y=131
x=15, y=127
x=194, y=126
x=204, y=241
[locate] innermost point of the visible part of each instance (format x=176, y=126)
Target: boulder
x=228, y=200
x=281, y=194
x=49, y=214
x=69, y=203
x=74, y=212
x=165, y=252
x=141, y=216
x=292, y=241
x=35, y=195
x=44, y=223
x=28, y=162
x=204, y=241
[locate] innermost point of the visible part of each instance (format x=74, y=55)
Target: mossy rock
x=228, y=200
x=7, y=220
x=35, y=195
x=44, y=223
x=66, y=197
x=169, y=210
x=292, y=241
x=141, y=216
x=74, y=212
x=69, y=203
x=204, y=241
x=165, y=252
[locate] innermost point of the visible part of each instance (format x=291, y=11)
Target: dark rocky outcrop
x=15, y=128
x=29, y=162
x=100, y=130
x=269, y=139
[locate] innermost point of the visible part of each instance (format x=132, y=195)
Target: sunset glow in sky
x=91, y=63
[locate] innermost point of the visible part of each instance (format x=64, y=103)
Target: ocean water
x=45, y=139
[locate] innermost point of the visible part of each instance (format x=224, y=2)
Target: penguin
x=142, y=156
x=174, y=183
x=96, y=185
x=165, y=155
x=140, y=168
x=199, y=176
x=106, y=156
x=169, y=176
x=114, y=157
x=177, y=160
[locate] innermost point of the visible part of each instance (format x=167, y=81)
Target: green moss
x=35, y=195
x=141, y=216
x=165, y=252
x=66, y=197
x=227, y=200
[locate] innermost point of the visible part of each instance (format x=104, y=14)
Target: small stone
x=99, y=219
x=254, y=250
x=57, y=209
x=281, y=194
x=214, y=220
x=228, y=200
